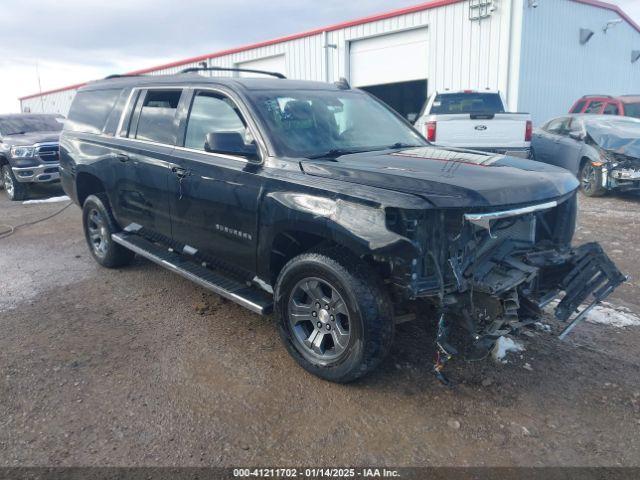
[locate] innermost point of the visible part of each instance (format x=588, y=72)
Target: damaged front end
x=490, y=272
x=619, y=170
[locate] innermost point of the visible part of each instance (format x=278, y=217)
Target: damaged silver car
x=603, y=151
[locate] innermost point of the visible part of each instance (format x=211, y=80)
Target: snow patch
x=63, y=198
x=607, y=314
x=503, y=346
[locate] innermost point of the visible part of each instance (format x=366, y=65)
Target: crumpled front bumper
x=584, y=277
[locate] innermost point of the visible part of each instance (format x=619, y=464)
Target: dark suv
x=320, y=202
x=28, y=151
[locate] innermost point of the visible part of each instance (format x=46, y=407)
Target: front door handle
x=121, y=157
x=180, y=172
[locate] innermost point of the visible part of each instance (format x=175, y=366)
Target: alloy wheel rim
x=8, y=183
x=588, y=177
x=98, y=232
x=319, y=319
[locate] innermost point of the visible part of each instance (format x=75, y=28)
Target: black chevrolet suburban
x=319, y=202
x=28, y=151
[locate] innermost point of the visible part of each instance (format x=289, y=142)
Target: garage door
x=269, y=64
x=392, y=58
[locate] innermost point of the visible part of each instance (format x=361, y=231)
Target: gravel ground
x=140, y=367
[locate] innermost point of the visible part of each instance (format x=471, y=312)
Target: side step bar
x=251, y=298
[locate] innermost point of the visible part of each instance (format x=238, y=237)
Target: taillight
x=528, y=131
x=431, y=131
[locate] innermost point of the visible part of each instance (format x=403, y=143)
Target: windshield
x=467, y=103
x=318, y=123
x=30, y=123
x=632, y=110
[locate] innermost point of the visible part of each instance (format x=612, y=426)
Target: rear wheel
x=15, y=190
x=591, y=180
x=334, y=316
x=99, y=224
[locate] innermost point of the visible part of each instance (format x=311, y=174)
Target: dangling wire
x=11, y=228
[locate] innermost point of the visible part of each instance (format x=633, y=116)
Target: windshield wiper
x=334, y=153
x=404, y=145
x=16, y=133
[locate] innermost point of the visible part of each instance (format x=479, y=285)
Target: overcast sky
x=71, y=41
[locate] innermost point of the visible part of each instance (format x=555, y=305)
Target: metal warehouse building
x=541, y=54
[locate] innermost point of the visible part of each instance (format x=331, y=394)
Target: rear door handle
x=121, y=156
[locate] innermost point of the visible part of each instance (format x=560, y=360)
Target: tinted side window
x=579, y=106
x=575, y=126
x=114, y=118
x=90, y=110
x=211, y=113
x=557, y=126
x=594, y=107
x=157, y=117
x=610, y=109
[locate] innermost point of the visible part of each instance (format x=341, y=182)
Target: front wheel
x=15, y=190
x=99, y=224
x=334, y=316
x=591, y=180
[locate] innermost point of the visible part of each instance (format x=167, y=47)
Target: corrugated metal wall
x=556, y=70
x=58, y=102
x=464, y=53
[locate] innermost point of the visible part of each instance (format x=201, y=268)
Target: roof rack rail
x=118, y=75
x=596, y=96
x=224, y=69
x=631, y=95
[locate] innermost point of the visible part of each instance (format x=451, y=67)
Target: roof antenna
x=342, y=84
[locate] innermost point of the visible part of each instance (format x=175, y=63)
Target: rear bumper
x=37, y=174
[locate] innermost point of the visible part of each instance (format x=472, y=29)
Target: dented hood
x=450, y=177
x=616, y=135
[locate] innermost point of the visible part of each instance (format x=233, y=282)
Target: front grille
x=48, y=152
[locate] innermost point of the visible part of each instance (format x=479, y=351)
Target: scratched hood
x=450, y=177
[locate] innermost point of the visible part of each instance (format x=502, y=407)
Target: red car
x=626, y=105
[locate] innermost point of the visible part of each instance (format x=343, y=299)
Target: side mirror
x=230, y=143
x=577, y=136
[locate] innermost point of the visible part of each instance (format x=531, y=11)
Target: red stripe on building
x=331, y=28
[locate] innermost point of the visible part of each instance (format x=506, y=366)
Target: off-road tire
x=594, y=187
x=16, y=191
x=369, y=307
x=111, y=254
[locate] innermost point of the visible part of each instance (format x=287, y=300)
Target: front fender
x=360, y=228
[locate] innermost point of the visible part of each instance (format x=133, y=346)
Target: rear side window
x=157, y=121
x=467, y=103
x=578, y=107
x=90, y=110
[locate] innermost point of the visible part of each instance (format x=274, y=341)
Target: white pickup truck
x=475, y=120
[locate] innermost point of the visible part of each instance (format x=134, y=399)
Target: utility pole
x=39, y=88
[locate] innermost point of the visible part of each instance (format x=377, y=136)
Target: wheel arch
x=88, y=184
x=291, y=226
